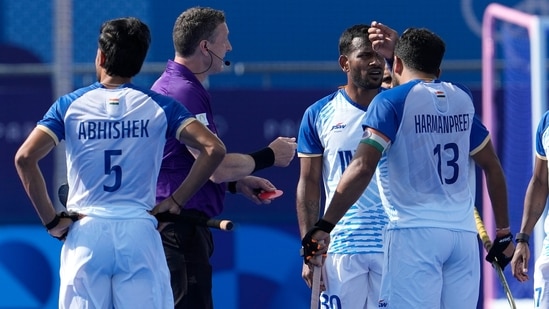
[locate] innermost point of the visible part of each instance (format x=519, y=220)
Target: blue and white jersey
x=542, y=148
x=426, y=175
x=114, y=144
x=332, y=128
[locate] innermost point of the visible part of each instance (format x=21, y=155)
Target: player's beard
x=364, y=82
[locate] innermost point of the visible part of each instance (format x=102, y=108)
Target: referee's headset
x=226, y=62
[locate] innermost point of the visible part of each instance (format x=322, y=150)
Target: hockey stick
x=315, y=288
x=487, y=244
x=225, y=225
x=222, y=224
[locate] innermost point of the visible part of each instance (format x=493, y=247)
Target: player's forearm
x=534, y=205
x=203, y=167
x=308, y=212
x=497, y=191
x=352, y=184
x=35, y=186
x=308, y=199
x=233, y=167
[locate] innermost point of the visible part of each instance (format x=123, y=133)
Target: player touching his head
x=114, y=132
x=329, y=132
x=426, y=180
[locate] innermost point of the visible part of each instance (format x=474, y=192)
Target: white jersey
x=332, y=128
x=114, y=144
x=426, y=172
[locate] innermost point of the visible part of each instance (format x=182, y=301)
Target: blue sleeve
x=54, y=119
x=385, y=111
x=176, y=114
x=308, y=141
x=479, y=133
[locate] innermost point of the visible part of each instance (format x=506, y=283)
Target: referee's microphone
x=226, y=62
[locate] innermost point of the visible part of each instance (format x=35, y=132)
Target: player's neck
x=113, y=81
x=361, y=96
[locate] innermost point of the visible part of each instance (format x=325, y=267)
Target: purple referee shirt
x=178, y=82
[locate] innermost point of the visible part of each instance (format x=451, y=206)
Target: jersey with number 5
x=114, y=144
x=426, y=175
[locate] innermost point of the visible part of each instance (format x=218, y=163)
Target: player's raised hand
x=284, y=150
x=383, y=39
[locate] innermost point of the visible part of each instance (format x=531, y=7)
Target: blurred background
x=284, y=58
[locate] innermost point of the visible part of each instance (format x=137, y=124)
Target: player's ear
x=344, y=63
x=100, y=58
x=398, y=65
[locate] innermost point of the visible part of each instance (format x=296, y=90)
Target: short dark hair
x=420, y=49
x=346, y=46
x=125, y=42
x=194, y=25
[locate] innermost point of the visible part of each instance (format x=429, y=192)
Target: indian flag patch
x=113, y=101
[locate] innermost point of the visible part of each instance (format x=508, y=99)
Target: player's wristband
x=522, y=237
x=263, y=158
x=53, y=223
x=231, y=187
x=324, y=226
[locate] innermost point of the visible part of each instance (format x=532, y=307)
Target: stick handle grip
x=315, y=288
x=222, y=224
x=487, y=244
x=484, y=237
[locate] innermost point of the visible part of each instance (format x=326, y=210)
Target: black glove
x=496, y=252
x=310, y=245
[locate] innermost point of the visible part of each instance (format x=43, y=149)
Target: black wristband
x=263, y=158
x=324, y=225
x=231, y=187
x=522, y=237
x=53, y=223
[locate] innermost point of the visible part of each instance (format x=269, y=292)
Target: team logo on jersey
x=113, y=101
x=338, y=126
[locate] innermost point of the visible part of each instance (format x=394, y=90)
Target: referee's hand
x=284, y=150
